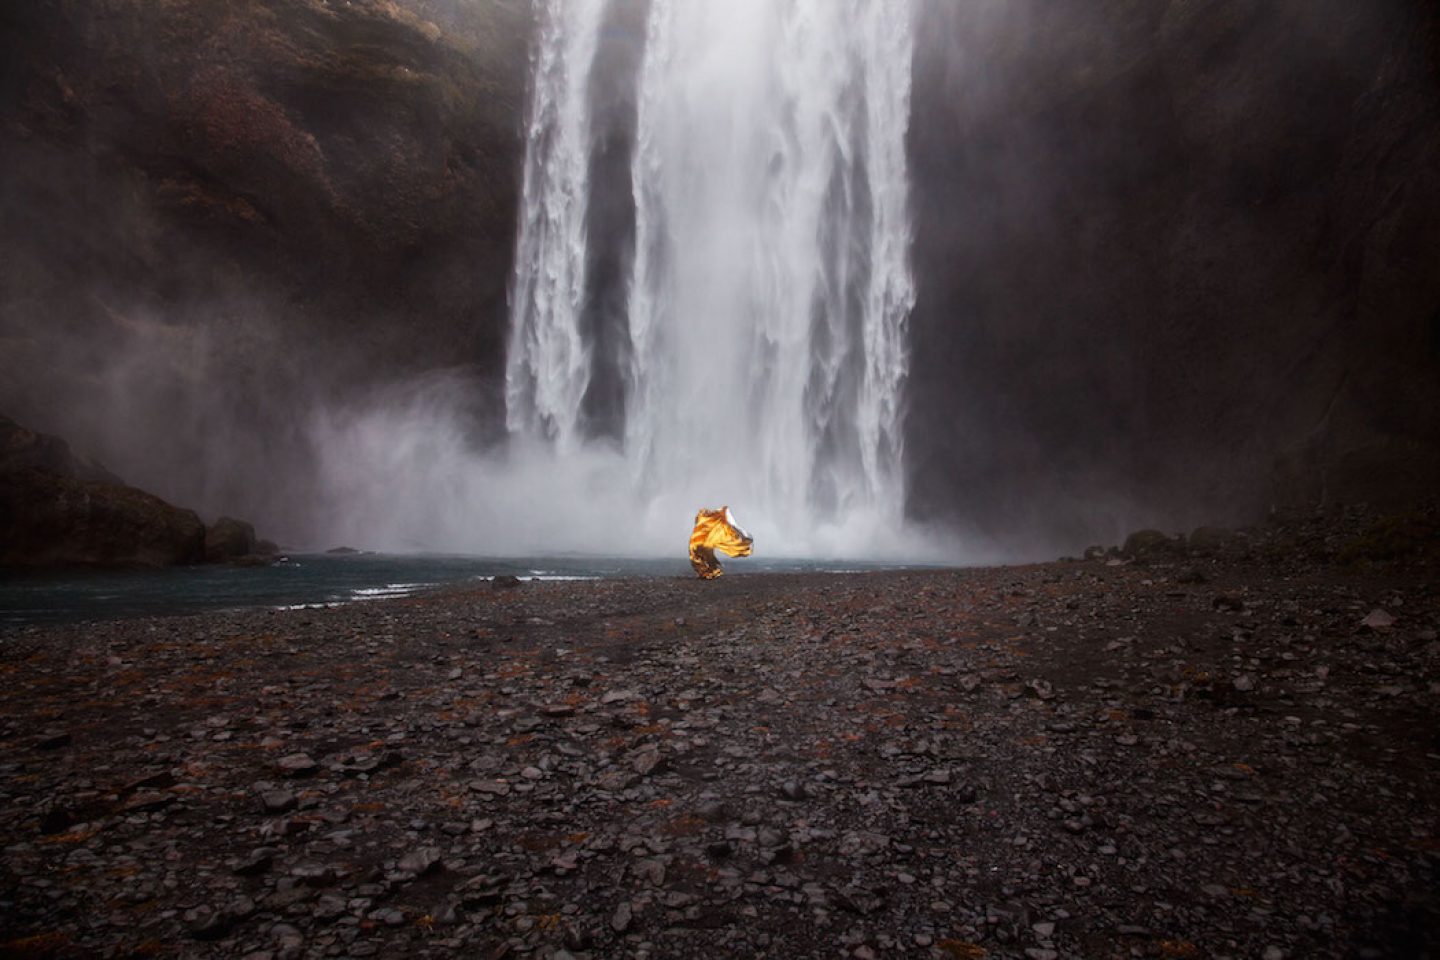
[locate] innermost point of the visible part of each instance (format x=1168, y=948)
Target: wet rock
x=1143, y=543
x=1191, y=575
x=794, y=791
x=329, y=906
x=1040, y=689
x=229, y=539
x=53, y=740
x=313, y=873
x=480, y=891
x=158, y=780
x=420, y=861
x=256, y=863
x=208, y=923
x=646, y=760
x=296, y=765
x=1378, y=620
x=277, y=801
x=148, y=802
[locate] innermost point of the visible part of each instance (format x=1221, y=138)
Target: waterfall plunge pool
x=304, y=580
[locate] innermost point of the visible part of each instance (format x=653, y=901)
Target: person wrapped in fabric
x=716, y=530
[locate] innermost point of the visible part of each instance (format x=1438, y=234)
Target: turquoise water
x=304, y=580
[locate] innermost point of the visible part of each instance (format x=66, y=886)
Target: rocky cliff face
x=57, y=509
x=217, y=213
x=1176, y=260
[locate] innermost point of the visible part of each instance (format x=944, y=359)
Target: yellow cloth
x=716, y=530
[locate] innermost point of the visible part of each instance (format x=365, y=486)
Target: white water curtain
x=771, y=283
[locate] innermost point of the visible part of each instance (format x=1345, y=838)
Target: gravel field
x=1229, y=752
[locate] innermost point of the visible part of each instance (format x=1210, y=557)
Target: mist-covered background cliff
x=1174, y=261
x=219, y=218
x=1177, y=260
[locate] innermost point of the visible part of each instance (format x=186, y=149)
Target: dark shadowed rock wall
x=217, y=215
x=57, y=509
x=1176, y=261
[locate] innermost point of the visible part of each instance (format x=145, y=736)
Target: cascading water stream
x=770, y=285
x=547, y=368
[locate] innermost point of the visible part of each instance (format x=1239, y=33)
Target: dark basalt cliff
x=1175, y=260
x=352, y=161
x=216, y=213
x=57, y=509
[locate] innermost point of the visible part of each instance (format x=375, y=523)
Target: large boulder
x=229, y=539
x=52, y=520
x=57, y=509
x=1144, y=543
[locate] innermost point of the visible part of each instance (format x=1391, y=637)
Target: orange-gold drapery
x=716, y=530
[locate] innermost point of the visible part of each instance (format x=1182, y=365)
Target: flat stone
x=277, y=801
x=329, y=906
x=646, y=760
x=296, y=765
x=420, y=860
x=1378, y=620
x=313, y=873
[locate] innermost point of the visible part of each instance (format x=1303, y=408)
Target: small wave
x=389, y=590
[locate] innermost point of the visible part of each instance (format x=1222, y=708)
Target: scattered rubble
x=1070, y=759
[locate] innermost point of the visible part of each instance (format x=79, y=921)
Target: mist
x=402, y=474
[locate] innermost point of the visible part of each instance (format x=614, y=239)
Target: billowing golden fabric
x=716, y=530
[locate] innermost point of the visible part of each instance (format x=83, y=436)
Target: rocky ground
x=1223, y=751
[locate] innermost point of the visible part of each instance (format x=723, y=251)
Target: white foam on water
x=389, y=590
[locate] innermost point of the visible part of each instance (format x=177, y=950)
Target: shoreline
x=1062, y=759
x=33, y=598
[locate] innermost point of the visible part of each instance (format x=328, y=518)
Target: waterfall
x=547, y=367
x=770, y=283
